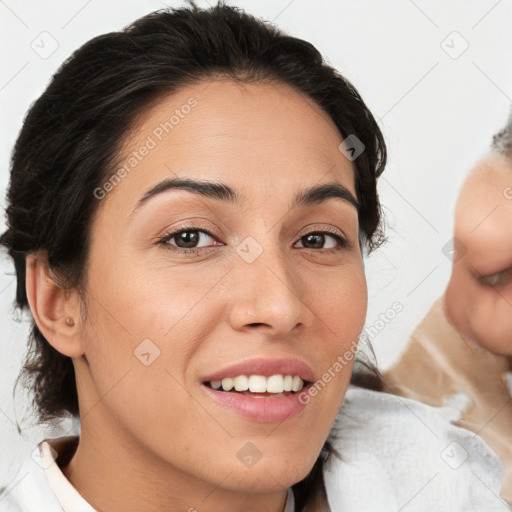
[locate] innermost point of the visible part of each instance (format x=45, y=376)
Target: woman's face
x=478, y=299
x=243, y=281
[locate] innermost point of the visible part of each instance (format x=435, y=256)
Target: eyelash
x=343, y=243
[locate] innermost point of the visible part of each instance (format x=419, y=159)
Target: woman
x=464, y=343
x=189, y=204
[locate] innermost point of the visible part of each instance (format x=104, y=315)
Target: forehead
x=485, y=190
x=265, y=134
x=483, y=220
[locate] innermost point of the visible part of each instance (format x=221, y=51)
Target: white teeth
x=297, y=383
x=259, y=384
x=227, y=384
x=275, y=384
x=287, y=385
x=241, y=383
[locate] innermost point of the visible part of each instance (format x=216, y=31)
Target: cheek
x=491, y=322
x=458, y=303
x=152, y=301
x=341, y=305
x=138, y=354
x=145, y=326
x=342, y=302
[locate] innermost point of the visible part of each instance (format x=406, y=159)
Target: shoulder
x=400, y=454
x=29, y=489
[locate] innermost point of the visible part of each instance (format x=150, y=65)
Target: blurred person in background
x=464, y=344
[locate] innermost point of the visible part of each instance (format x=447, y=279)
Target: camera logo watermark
x=146, y=352
x=454, y=455
x=249, y=249
x=45, y=45
x=454, y=45
x=351, y=147
x=249, y=455
x=454, y=249
x=44, y=462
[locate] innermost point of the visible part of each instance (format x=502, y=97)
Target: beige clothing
x=438, y=363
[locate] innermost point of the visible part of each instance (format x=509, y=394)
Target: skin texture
x=151, y=438
x=478, y=299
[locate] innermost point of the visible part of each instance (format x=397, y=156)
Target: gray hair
x=502, y=140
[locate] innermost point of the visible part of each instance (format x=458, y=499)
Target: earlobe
x=50, y=307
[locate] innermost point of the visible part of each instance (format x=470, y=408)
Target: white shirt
x=396, y=454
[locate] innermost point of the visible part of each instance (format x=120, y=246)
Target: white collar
x=508, y=381
x=69, y=498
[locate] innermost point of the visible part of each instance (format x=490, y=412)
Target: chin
x=497, y=347
x=268, y=478
x=271, y=473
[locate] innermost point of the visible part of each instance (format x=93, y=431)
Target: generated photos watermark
x=344, y=360
x=151, y=142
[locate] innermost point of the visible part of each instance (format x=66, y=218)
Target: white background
x=437, y=113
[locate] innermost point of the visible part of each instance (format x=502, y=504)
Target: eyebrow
x=220, y=191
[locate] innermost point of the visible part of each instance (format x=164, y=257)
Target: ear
x=55, y=310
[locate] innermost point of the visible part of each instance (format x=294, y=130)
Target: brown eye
x=188, y=238
x=501, y=278
x=318, y=239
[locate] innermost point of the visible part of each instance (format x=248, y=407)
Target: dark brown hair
x=72, y=135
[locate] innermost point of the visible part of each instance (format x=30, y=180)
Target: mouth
x=261, y=389
x=273, y=386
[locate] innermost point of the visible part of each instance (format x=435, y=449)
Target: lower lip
x=262, y=409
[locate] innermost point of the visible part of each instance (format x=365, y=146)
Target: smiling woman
x=195, y=275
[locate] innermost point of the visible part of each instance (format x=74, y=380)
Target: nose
x=267, y=294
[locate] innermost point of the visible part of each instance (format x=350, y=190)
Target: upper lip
x=265, y=367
